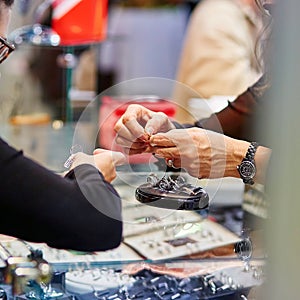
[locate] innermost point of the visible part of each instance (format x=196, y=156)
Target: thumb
x=159, y=122
x=118, y=158
x=153, y=125
x=99, y=150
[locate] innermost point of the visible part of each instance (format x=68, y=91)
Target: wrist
x=262, y=158
x=235, y=152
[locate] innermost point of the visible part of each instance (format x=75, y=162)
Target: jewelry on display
x=243, y=249
x=149, y=285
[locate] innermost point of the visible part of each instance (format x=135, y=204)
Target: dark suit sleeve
x=238, y=118
x=80, y=211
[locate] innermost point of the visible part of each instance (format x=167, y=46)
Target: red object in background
x=80, y=21
x=112, y=109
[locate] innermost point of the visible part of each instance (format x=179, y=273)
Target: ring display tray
x=181, y=240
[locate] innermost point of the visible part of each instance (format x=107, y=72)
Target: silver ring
x=170, y=163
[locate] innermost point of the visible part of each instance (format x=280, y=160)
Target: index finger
x=135, y=128
x=134, y=119
x=130, y=129
x=159, y=122
x=161, y=140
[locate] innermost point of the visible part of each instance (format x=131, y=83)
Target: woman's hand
x=136, y=126
x=203, y=153
x=104, y=160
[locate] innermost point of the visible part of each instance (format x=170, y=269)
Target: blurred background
x=135, y=39
x=58, y=70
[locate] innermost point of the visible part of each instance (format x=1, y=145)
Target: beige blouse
x=219, y=53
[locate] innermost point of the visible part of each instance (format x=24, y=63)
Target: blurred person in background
x=238, y=118
x=219, y=55
x=81, y=211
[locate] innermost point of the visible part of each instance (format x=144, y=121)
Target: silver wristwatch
x=247, y=168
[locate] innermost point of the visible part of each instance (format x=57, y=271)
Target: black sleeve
x=238, y=119
x=80, y=211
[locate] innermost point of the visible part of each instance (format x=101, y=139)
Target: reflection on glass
x=36, y=34
x=42, y=291
x=243, y=249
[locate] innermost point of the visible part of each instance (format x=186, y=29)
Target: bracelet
x=237, y=109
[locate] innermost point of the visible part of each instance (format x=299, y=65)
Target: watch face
x=247, y=169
